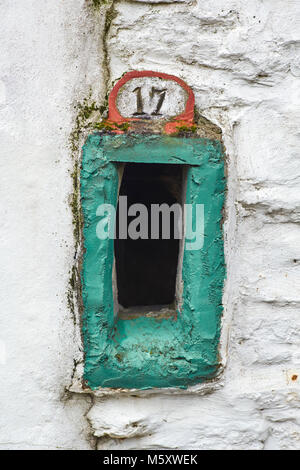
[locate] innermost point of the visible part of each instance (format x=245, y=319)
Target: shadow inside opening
x=146, y=269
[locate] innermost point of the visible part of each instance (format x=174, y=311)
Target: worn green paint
x=147, y=352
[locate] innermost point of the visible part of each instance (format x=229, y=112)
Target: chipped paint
x=149, y=352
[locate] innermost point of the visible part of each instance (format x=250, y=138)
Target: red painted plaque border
x=184, y=119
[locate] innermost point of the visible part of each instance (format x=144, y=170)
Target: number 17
x=139, y=100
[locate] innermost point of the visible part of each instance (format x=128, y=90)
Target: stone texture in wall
x=242, y=60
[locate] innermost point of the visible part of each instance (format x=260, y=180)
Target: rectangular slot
x=146, y=267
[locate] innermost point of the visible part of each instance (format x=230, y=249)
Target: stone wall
x=58, y=61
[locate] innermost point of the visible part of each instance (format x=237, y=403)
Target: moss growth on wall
x=99, y=3
x=107, y=126
x=183, y=131
x=87, y=112
x=74, y=203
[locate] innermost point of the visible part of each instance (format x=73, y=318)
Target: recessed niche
x=146, y=268
x=135, y=335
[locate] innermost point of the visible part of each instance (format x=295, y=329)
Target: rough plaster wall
x=50, y=55
x=242, y=60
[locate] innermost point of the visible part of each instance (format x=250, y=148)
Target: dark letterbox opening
x=146, y=269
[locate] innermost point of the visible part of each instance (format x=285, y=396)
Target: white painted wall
x=242, y=60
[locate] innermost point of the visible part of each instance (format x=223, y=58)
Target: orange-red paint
x=184, y=119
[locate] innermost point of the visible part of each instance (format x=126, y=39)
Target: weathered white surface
x=48, y=59
x=242, y=60
x=150, y=90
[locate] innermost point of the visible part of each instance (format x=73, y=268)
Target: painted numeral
x=162, y=95
x=139, y=100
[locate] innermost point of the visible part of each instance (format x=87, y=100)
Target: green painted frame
x=147, y=352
